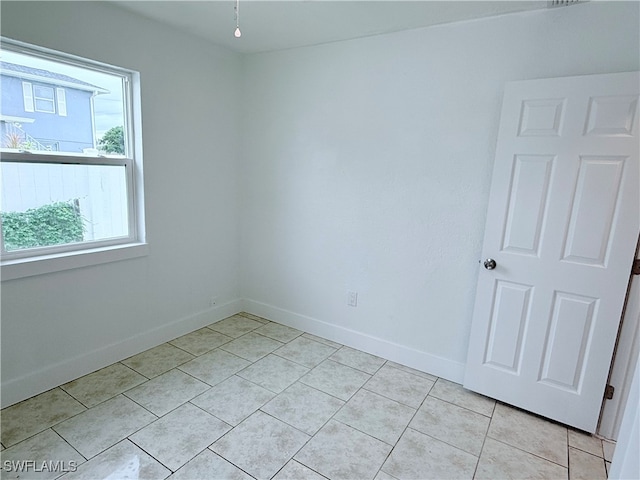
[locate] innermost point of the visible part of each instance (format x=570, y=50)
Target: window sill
x=28, y=267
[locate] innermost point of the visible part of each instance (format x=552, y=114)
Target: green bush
x=54, y=224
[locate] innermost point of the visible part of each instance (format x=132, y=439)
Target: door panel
x=562, y=224
x=527, y=203
x=594, y=206
x=508, y=322
x=568, y=340
x=611, y=116
x=541, y=117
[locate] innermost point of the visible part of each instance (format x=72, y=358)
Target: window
x=71, y=185
x=43, y=98
x=40, y=98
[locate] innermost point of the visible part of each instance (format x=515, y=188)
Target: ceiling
x=275, y=25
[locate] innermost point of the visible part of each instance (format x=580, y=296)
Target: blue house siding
x=71, y=133
x=65, y=119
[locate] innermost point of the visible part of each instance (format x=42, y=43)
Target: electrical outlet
x=352, y=299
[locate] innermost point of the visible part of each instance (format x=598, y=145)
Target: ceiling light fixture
x=237, y=33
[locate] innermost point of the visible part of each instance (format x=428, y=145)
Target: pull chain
x=237, y=33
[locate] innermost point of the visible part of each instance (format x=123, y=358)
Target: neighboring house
x=43, y=110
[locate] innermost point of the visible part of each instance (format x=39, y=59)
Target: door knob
x=489, y=264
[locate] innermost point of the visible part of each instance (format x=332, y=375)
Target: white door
x=562, y=226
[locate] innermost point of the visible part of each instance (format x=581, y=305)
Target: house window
x=41, y=98
x=44, y=99
x=71, y=187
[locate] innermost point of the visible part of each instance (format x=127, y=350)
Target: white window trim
x=52, y=99
x=54, y=259
x=28, y=267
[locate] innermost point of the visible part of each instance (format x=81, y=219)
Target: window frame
x=37, y=260
x=51, y=100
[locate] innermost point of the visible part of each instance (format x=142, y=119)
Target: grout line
x=50, y=426
x=286, y=423
x=570, y=462
x=462, y=406
x=282, y=421
x=77, y=399
x=275, y=352
x=195, y=378
x=148, y=453
x=530, y=453
x=186, y=351
x=586, y=451
x=300, y=463
x=417, y=410
x=158, y=417
x=432, y=378
x=403, y=433
x=74, y=448
x=484, y=440
x=317, y=390
x=279, y=355
x=355, y=368
x=324, y=341
x=132, y=369
x=163, y=416
x=209, y=413
x=191, y=459
x=447, y=443
x=222, y=458
x=283, y=342
x=364, y=387
x=80, y=401
x=367, y=434
x=153, y=421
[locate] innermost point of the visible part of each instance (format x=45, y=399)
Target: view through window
x=67, y=154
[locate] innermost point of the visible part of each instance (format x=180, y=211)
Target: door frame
x=623, y=362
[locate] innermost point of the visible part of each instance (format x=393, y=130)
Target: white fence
x=100, y=190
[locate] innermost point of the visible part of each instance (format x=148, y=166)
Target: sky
x=109, y=110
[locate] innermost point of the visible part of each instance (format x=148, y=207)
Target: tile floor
x=248, y=398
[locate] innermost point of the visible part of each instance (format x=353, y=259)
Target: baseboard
x=34, y=383
x=21, y=388
x=423, y=361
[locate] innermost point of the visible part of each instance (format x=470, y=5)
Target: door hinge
x=608, y=392
x=635, y=268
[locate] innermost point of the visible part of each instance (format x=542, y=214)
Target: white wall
x=367, y=167
x=56, y=327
